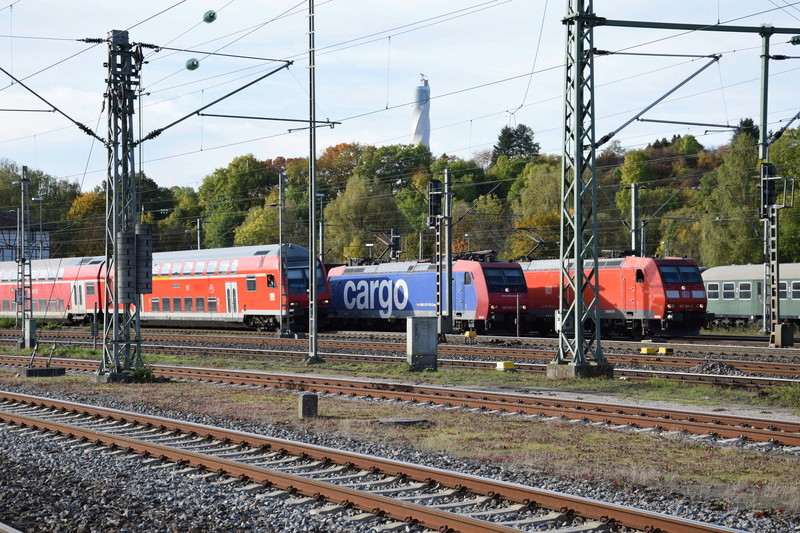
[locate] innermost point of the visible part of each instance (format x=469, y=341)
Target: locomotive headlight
x=523, y=307
x=325, y=302
x=701, y=306
x=670, y=306
x=494, y=306
x=294, y=304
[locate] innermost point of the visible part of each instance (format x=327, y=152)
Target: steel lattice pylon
x=579, y=245
x=121, y=331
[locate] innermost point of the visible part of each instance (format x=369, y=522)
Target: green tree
x=731, y=230
x=228, y=193
x=515, y=143
x=395, y=164
x=366, y=206
x=85, y=226
x=336, y=165
x=469, y=179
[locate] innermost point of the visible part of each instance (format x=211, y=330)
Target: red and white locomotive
x=638, y=296
x=243, y=285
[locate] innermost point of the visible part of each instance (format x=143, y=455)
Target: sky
x=490, y=63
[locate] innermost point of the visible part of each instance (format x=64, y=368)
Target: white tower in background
x=420, y=113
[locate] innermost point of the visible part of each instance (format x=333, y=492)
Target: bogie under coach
x=488, y=296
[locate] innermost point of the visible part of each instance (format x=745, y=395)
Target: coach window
x=155, y=305
x=712, y=290
x=187, y=304
x=61, y=273
x=796, y=290
x=90, y=288
x=270, y=281
x=6, y=275
x=251, y=283
x=223, y=266
x=234, y=266
x=6, y=307
x=155, y=269
x=200, y=306
x=60, y=304
x=639, y=275
x=212, y=267
x=212, y=305
x=728, y=291
x=199, y=267
x=176, y=268
x=782, y=290
x=42, y=305
x=187, y=268
x=176, y=305
x=745, y=290
x=165, y=304
x=51, y=274
x=42, y=274
x=165, y=269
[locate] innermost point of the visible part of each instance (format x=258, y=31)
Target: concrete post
x=421, y=343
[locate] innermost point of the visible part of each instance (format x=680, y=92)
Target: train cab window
x=467, y=278
x=796, y=290
x=200, y=306
x=251, y=283
x=728, y=291
x=782, y=290
x=187, y=268
x=187, y=304
x=270, y=281
x=176, y=305
x=640, y=275
x=155, y=305
x=212, y=267
x=199, y=267
x=745, y=290
x=176, y=268
x=712, y=291
x=234, y=266
x=89, y=288
x=212, y=305
x=165, y=305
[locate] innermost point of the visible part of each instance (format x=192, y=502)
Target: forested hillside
x=693, y=201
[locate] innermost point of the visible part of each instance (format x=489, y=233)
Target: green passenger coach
x=736, y=296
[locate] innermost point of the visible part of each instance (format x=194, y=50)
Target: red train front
x=637, y=295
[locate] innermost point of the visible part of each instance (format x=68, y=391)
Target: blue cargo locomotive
x=488, y=296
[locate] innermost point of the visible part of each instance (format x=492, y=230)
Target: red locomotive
x=243, y=285
x=638, y=296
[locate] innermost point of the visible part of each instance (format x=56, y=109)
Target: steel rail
x=724, y=426
x=434, y=519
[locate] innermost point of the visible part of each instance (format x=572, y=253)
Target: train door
x=77, y=296
x=231, y=300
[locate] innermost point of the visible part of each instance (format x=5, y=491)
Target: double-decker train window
x=176, y=304
x=223, y=266
x=89, y=288
x=796, y=290
x=155, y=305
x=199, y=267
x=200, y=306
x=187, y=268
x=165, y=269
x=212, y=305
x=6, y=275
x=712, y=291
x=251, y=283
x=212, y=267
x=165, y=305
x=187, y=304
x=6, y=305
x=728, y=291
x=234, y=266
x=155, y=269
x=745, y=290
x=176, y=268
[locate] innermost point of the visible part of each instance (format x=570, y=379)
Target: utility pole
x=129, y=248
x=312, y=195
x=199, y=233
x=579, y=353
x=636, y=230
x=283, y=330
x=24, y=297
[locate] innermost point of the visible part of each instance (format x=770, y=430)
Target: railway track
x=467, y=356
x=356, y=486
x=785, y=433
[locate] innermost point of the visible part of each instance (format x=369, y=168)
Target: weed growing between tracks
x=631, y=461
